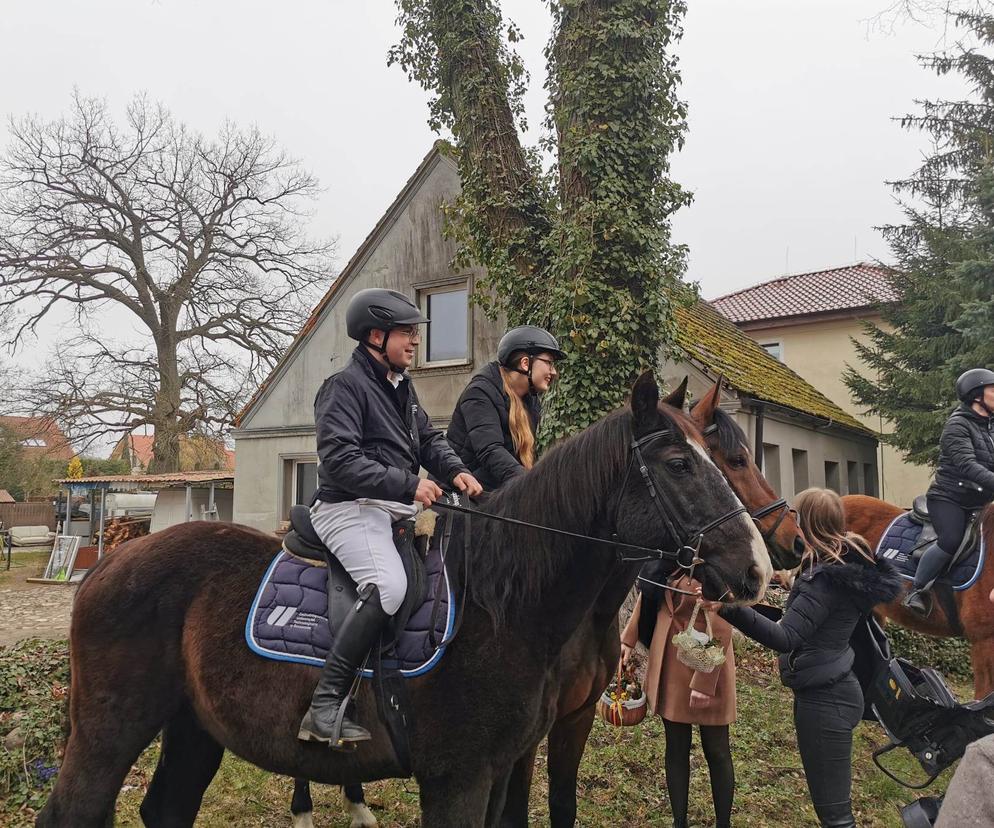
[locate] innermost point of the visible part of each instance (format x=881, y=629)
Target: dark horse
x=157, y=633
x=590, y=657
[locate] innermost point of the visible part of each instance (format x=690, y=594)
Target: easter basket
x=623, y=704
x=700, y=651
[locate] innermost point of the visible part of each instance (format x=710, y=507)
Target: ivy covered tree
x=943, y=321
x=582, y=249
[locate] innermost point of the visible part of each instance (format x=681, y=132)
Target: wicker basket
x=699, y=651
x=623, y=704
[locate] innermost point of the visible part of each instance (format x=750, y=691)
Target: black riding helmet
x=380, y=309
x=530, y=339
x=971, y=384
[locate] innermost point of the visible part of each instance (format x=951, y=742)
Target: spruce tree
x=942, y=322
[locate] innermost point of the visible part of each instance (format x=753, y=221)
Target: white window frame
x=778, y=343
x=288, y=479
x=463, y=283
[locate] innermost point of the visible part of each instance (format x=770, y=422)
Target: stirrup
x=919, y=601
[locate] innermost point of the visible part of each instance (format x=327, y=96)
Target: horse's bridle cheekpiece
x=686, y=556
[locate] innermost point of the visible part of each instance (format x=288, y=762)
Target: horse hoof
x=362, y=817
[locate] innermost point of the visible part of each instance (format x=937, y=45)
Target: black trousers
x=825, y=718
x=949, y=520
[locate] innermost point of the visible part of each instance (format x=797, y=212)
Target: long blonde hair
x=823, y=521
x=518, y=420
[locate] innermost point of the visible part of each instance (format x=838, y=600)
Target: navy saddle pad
x=898, y=545
x=288, y=620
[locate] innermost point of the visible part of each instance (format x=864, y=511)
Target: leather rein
x=686, y=556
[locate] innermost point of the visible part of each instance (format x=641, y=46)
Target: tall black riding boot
x=838, y=815
x=359, y=632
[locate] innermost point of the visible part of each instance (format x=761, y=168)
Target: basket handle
x=707, y=620
x=693, y=615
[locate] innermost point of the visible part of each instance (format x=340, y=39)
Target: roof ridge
x=799, y=274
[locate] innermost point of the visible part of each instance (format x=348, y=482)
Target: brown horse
x=590, y=657
x=157, y=638
x=972, y=615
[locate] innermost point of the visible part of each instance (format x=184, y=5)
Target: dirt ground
x=32, y=610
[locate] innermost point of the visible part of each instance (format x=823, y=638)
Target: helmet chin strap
x=382, y=350
x=528, y=373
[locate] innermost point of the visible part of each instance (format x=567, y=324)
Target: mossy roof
x=721, y=348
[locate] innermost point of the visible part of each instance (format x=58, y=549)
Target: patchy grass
x=621, y=779
x=24, y=565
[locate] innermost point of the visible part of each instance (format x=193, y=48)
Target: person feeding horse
x=964, y=481
x=373, y=436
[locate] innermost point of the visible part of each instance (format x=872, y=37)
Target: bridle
x=686, y=556
x=757, y=515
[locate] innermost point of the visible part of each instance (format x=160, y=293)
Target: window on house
x=774, y=349
x=300, y=481
x=870, y=480
x=800, y=459
x=832, y=480
x=34, y=442
x=852, y=472
x=446, y=336
x=771, y=465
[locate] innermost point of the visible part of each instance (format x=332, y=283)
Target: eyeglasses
x=550, y=362
x=410, y=333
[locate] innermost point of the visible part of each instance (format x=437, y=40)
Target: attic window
x=446, y=339
x=774, y=349
x=34, y=442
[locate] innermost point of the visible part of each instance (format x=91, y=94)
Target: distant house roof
x=39, y=437
x=151, y=481
x=139, y=448
x=6, y=497
x=721, y=348
x=838, y=290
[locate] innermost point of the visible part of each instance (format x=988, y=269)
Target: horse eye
x=738, y=462
x=678, y=465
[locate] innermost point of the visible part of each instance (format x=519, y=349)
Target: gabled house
x=804, y=437
x=39, y=437
x=197, y=453
x=808, y=321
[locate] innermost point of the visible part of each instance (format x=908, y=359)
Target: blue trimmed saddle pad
x=288, y=620
x=898, y=545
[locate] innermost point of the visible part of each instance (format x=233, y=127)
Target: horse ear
x=645, y=401
x=678, y=396
x=704, y=410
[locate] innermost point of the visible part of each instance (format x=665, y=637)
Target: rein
x=686, y=557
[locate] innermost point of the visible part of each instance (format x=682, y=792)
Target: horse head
x=676, y=498
x=729, y=449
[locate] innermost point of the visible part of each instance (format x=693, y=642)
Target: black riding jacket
x=480, y=430
x=373, y=438
x=823, y=608
x=966, y=460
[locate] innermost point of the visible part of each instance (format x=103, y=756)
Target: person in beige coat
x=684, y=697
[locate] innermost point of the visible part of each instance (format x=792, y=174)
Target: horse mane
x=731, y=437
x=573, y=486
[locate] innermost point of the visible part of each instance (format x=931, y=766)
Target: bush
x=950, y=656
x=34, y=690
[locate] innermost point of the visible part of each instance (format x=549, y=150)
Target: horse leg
x=115, y=712
x=456, y=802
x=362, y=817
x=515, y=812
x=982, y=659
x=301, y=805
x=187, y=763
x=567, y=740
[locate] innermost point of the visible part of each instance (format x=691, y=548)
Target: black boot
x=838, y=815
x=919, y=601
x=359, y=632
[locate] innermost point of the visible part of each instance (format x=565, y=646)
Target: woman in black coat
x=494, y=424
x=839, y=584
x=964, y=480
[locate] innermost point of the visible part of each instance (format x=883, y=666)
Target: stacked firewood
x=119, y=530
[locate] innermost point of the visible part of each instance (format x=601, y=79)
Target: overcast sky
x=791, y=104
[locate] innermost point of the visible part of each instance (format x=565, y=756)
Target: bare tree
x=196, y=244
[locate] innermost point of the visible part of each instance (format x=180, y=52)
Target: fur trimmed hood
x=868, y=584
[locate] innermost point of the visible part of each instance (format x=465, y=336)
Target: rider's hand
x=699, y=699
x=626, y=653
x=428, y=492
x=467, y=484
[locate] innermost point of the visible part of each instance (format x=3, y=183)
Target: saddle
x=919, y=514
x=304, y=542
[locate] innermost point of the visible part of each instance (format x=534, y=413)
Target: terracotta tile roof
x=840, y=289
x=721, y=348
x=153, y=480
x=141, y=451
x=39, y=437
